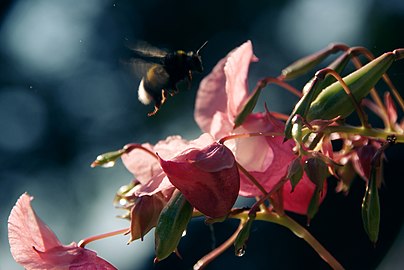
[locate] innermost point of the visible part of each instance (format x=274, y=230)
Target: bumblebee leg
x=189, y=79
x=156, y=109
x=163, y=96
x=158, y=103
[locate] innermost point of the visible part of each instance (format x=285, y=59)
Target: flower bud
x=107, y=160
x=208, y=178
x=317, y=171
x=295, y=172
x=144, y=215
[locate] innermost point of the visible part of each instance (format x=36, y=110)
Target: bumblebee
x=162, y=71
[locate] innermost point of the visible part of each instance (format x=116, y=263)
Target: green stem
x=299, y=231
x=369, y=132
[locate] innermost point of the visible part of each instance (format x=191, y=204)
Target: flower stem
x=90, y=239
x=249, y=135
x=205, y=260
x=132, y=146
x=298, y=230
x=369, y=132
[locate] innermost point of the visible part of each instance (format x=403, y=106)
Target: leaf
x=172, y=223
x=248, y=107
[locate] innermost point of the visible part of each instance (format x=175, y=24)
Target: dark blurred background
x=67, y=96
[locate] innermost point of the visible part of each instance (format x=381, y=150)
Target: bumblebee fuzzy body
x=164, y=71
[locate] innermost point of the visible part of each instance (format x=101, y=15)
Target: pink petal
x=208, y=178
x=266, y=158
x=298, y=201
x=391, y=108
x=223, y=91
x=211, y=96
x=144, y=166
x=26, y=230
x=35, y=246
x=236, y=70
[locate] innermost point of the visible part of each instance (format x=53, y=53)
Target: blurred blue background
x=66, y=96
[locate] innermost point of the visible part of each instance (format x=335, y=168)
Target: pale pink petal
x=391, y=108
x=26, y=230
x=36, y=247
x=266, y=158
x=145, y=166
x=220, y=125
x=153, y=178
x=224, y=89
x=211, y=96
x=159, y=182
x=236, y=71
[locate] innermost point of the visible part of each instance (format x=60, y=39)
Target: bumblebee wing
x=139, y=67
x=147, y=52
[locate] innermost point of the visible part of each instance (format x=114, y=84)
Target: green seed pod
x=333, y=101
x=307, y=63
x=172, y=223
x=312, y=89
x=371, y=209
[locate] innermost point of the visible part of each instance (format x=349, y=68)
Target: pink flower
x=221, y=97
x=204, y=171
x=207, y=177
x=35, y=246
x=146, y=168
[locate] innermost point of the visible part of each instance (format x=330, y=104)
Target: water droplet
x=30, y=87
x=108, y=164
x=81, y=41
x=240, y=252
x=123, y=202
x=114, y=5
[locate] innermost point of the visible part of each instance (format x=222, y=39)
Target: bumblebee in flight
x=162, y=71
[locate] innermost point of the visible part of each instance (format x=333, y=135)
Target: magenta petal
x=35, y=246
x=266, y=158
x=208, y=178
x=298, y=201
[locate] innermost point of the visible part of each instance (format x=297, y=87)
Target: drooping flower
x=34, y=245
x=204, y=171
x=221, y=97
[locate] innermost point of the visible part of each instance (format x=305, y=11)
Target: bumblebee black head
x=194, y=59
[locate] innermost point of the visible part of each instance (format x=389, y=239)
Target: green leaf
x=313, y=205
x=242, y=237
x=295, y=172
x=172, y=223
x=248, y=107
